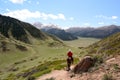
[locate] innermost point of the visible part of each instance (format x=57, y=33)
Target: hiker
x=69, y=59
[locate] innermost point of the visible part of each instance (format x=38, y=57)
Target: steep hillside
x=108, y=46
x=8, y=46
x=13, y=28
x=54, y=30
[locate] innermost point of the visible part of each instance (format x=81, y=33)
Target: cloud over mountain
x=25, y=14
x=17, y=1
x=106, y=17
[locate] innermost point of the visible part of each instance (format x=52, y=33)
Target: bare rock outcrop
x=84, y=65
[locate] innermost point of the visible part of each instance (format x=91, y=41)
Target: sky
x=64, y=13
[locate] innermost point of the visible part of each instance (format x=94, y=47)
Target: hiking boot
x=68, y=69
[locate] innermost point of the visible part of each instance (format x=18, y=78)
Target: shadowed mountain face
x=101, y=32
x=60, y=33
x=13, y=28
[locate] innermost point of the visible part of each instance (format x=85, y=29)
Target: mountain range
x=74, y=32
x=101, y=32
x=56, y=31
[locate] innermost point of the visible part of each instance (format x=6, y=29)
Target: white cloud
x=86, y=24
x=106, y=17
x=114, y=17
x=22, y=14
x=52, y=16
x=26, y=14
x=17, y=1
x=61, y=16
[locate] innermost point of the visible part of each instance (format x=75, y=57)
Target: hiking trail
x=59, y=75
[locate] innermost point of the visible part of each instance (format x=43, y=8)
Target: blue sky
x=64, y=13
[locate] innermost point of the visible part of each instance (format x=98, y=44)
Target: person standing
x=69, y=59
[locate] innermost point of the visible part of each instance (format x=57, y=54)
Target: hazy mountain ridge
x=101, y=32
x=79, y=29
x=56, y=31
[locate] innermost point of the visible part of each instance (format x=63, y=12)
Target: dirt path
x=58, y=75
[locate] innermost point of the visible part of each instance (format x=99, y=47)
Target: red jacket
x=69, y=54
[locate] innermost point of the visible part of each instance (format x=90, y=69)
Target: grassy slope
x=104, y=49
x=36, y=55
x=108, y=46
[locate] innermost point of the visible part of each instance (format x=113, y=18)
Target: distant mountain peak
x=45, y=26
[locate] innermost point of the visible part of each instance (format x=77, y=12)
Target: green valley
x=16, y=61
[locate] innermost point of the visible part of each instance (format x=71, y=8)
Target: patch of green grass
x=116, y=67
x=41, y=73
x=50, y=78
x=98, y=58
x=107, y=77
x=49, y=66
x=10, y=77
x=7, y=58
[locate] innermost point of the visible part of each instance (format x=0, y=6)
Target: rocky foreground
x=109, y=70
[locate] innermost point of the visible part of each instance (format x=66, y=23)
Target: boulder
x=84, y=65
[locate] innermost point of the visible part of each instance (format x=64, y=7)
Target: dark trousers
x=69, y=62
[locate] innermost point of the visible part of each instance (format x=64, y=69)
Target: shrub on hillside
x=22, y=48
x=107, y=77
